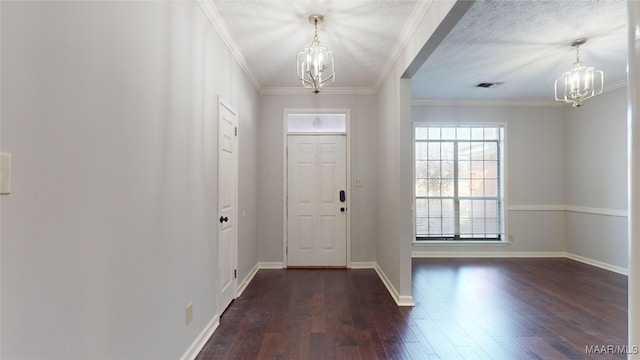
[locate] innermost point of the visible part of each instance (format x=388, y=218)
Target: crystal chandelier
x=581, y=82
x=315, y=64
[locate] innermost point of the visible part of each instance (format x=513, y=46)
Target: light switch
x=5, y=173
x=357, y=182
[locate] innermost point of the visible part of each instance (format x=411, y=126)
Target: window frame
x=501, y=196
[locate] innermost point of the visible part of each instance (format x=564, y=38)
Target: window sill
x=458, y=242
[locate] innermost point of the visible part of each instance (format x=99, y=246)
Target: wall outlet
x=5, y=173
x=511, y=237
x=189, y=313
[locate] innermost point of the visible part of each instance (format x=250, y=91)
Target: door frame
x=285, y=178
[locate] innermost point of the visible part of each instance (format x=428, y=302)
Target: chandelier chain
x=315, y=33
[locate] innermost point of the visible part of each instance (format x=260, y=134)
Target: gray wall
x=110, y=112
x=535, y=172
x=395, y=163
x=363, y=165
x=388, y=229
x=596, y=180
x=566, y=178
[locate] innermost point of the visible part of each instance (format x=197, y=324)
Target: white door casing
x=227, y=204
x=316, y=216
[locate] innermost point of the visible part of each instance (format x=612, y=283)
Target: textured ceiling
x=524, y=44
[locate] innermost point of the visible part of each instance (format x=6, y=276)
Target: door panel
x=316, y=227
x=227, y=205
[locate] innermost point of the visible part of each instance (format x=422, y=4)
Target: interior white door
x=316, y=214
x=227, y=204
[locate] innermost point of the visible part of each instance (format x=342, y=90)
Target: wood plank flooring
x=465, y=309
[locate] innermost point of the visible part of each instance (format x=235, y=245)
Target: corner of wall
x=404, y=300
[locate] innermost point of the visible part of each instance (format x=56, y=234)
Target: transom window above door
x=459, y=173
x=317, y=123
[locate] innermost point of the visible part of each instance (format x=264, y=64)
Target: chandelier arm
x=314, y=81
x=332, y=77
x=299, y=68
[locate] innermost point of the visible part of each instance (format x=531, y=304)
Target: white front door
x=317, y=204
x=227, y=204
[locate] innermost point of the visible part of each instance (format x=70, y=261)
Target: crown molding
x=489, y=103
x=215, y=18
x=412, y=24
x=325, y=91
x=616, y=85
x=517, y=103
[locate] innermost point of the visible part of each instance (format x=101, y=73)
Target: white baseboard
x=271, y=265
x=596, y=263
x=406, y=301
x=247, y=280
x=202, y=339
x=400, y=300
x=362, y=265
x=483, y=254
x=488, y=254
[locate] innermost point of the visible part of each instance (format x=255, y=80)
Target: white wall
x=394, y=193
x=535, y=173
x=247, y=102
x=363, y=165
x=596, y=180
x=633, y=126
x=109, y=109
x=389, y=239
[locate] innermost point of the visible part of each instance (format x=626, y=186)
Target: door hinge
x=235, y=274
x=286, y=251
x=236, y=130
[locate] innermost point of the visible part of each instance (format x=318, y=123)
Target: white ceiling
x=524, y=44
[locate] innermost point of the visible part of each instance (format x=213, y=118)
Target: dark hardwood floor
x=465, y=309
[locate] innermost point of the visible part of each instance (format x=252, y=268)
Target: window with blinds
x=458, y=179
